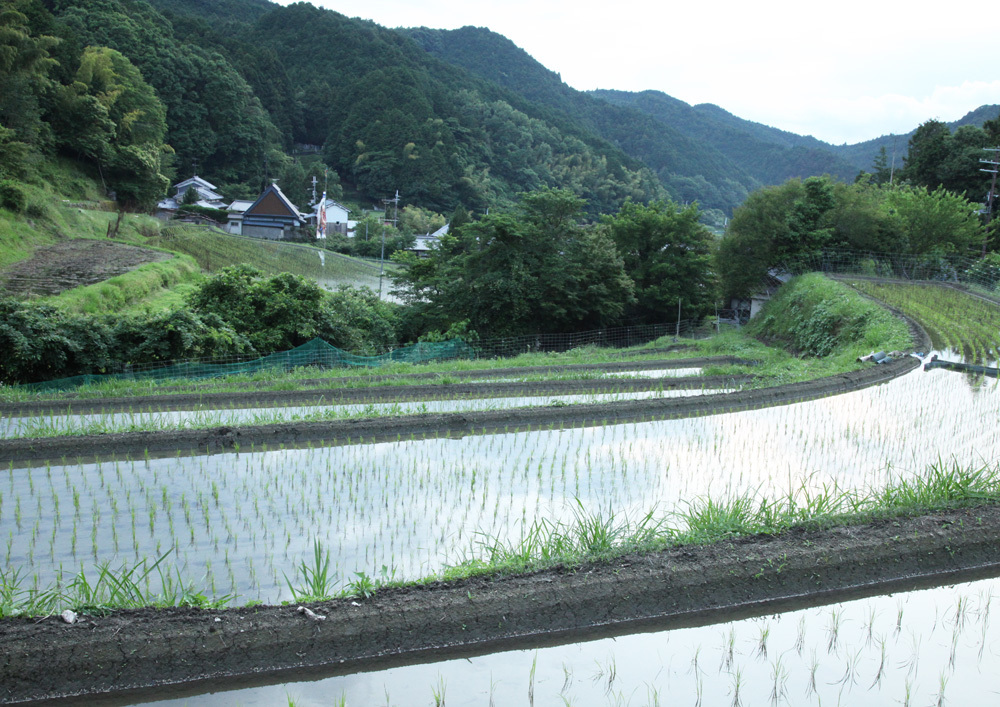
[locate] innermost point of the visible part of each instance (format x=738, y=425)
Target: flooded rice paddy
x=41, y=425
x=927, y=647
x=237, y=522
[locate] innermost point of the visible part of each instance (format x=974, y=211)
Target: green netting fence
x=315, y=353
x=320, y=354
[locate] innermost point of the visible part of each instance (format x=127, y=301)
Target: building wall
x=274, y=233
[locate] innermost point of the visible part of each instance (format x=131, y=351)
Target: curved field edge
x=390, y=388
x=136, y=650
x=368, y=430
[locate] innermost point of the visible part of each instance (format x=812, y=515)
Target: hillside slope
x=700, y=152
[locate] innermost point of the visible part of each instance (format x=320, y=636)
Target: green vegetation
x=593, y=537
x=224, y=318
x=791, y=226
x=815, y=316
x=138, y=289
x=667, y=254
x=214, y=250
x=699, y=153
x=125, y=587
x=938, y=157
x=953, y=319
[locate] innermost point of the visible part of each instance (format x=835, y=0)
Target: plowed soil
x=74, y=263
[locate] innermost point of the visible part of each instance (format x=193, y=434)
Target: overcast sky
x=841, y=71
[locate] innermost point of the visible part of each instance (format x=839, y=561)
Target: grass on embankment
x=811, y=304
x=280, y=379
x=146, y=288
x=956, y=320
x=812, y=327
x=590, y=538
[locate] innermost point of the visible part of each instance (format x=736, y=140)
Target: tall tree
x=134, y=147
x=668, y=255
x=535, y=270
x=928, y=150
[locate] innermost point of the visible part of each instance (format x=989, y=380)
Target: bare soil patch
x=138, y=653
x=74, y=263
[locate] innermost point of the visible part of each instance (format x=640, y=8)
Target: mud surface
x=74, y=263
x=143, y=651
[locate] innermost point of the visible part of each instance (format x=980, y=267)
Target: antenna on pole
x=994, y=163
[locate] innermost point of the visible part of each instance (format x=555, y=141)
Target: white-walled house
x=336, y=216
x=236, y=211
x=207, y=197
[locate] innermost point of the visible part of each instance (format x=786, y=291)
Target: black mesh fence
x=979, y=274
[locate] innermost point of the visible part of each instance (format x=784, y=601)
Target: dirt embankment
x=141, y=650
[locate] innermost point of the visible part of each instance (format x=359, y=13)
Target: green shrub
x=815, y=316
x=12, y=196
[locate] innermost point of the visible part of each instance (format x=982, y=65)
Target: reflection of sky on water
x=937, y=646
x=28, y=426
x=239, y=521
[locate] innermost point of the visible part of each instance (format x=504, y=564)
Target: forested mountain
x=246, y=91
x=389, y=116
x=863, y=154
x=699, y=152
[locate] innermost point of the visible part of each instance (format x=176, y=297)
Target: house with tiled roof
x=422, y=245
x=272, y=216
x=206, y=196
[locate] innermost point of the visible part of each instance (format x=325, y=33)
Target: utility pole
x=994, y=163
x=395, y=218
x=892, y=169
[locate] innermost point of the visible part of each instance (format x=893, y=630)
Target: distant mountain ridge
x=447, y=117
x=699, y=152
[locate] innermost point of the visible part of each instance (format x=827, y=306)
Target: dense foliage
x=283, y=311
x=237, y=311
x=539, y=268
x=789, y=226
x=668, y=255
x=89, y=101
x=43, y=343
x=937, y=157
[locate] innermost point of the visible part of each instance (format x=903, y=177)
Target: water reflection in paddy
x=928, y=647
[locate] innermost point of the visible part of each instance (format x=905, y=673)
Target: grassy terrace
x=966, y=323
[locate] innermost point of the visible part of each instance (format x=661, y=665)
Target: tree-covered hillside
x=389, y=116
x=699, y=152
x=863, y=154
